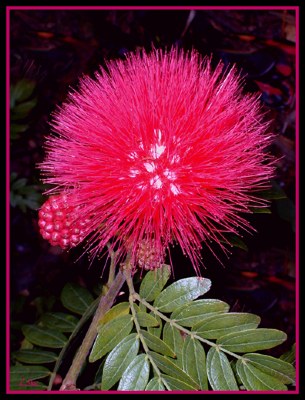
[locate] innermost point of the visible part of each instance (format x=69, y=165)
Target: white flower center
x=156, y=166
x=156, y=182
x=150, y=167
x=174, y=188
x=157, y=151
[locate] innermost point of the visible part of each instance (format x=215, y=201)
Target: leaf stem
x=69, y=383
x=132, y=297
x=181, y=328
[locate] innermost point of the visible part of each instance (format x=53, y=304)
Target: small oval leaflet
x=289, y=356
x=194, y=361
x=154, y=282
x=252, y=340
x=255, y=379
x=158, y=330
x=44, y=337
x=219, y=325
x=181, y=292
x=156, y=344
x=24, y=108
x=118, y=360
x=60, y=321
x=275, y=367
x=110, y=335
x=220, y=373
x=76, y=298
x=27, y=373
x=155, y=384
x=198, y=310
x=176, y=384
x=147, y=320
x=136, y=375
x=35, y=356
x=115, y=311
x=171, y=369
x=173, y=338
x=21, y=91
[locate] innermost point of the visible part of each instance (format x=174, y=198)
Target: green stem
x=181, y=328
x=132, y=296
x=69, y=383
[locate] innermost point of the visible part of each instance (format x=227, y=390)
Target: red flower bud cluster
x=57, y=224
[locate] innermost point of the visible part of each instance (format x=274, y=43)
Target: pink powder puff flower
x=160, y=149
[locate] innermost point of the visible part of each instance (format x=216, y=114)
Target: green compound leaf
x=136, y=375
x=115, y=311
x=181, y=292
x=60, y=321
x=255, y=379
x=173, y=338
x=24, y=373
x=279, y=369
x=155, y=384
x=171, y=369
x=118, y=360
x=35, y=356
x=198, y=310
x=252, y=340
x=219, y=325
x=158, y=330
x=194, y=362
x=146, y=320
x=176, y=384
x=154, y=282
x=110, y=335
x=156, y=344
x=44, y=337
x=219, y=371
x=76, y=298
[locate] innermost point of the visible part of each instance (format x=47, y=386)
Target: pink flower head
x=160, y=149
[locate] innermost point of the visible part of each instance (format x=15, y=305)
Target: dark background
x=53, y=49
